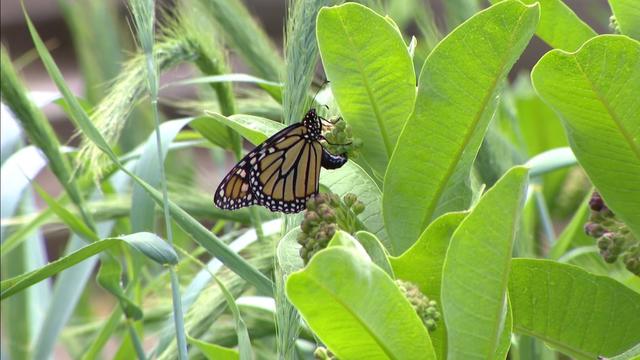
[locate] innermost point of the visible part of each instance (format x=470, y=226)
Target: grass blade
x=245, y=36
x=147, y=243
x=200, y=234
x=213, y=351
x=16, y=173
x=36, y=125
x=301, y=56
x=143, y=207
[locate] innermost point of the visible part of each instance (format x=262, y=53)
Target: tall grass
x=301, y=56
x=144, y=16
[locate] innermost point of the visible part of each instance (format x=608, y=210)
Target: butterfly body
x=281, y=173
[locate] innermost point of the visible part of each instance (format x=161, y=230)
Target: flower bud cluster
x=614, y=239
x=613, y=25
x=340, y=139
x=426, y=309
x=322, y=353
x=326, y=213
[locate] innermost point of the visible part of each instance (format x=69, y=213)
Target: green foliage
x=627, y=16
x=213, y=351
x=594, y=90
x=559, y=26
x=347, y=301
x=451, y=174
x=605, y=325
x=422, y=264
x=476, y=270
x=147, y=243
x=428, y=174
x=374, y=86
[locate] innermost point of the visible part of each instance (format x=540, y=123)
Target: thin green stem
x=135, y=339
x=144, y=15
x=545, y=219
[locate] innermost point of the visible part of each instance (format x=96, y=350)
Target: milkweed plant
x=488, y=209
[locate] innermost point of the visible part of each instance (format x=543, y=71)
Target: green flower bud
x=312, y=217
x=430, y=324
x=593, y=229
x=331, y=230
x=311, y=204
x=334, y=200
x=613, y=25
x=358, y=207
x=320, y=236
x=328, y=215
x=322, y=353
x=349, y=199
x=425, y=308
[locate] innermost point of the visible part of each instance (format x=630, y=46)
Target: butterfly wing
x=235, y=190
x=280, y=174
x=287, y=170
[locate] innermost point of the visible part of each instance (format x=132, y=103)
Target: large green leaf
x=631, y=354
x=578, y=313
x=595, y=90
x=559, y=26
x=422, y=265
x=147, y=243
x=429, y=171
x=372, y=76
x=476, y=270
x=627, y=13
x=356, y=309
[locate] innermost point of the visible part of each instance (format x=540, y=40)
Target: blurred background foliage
x=94, y=44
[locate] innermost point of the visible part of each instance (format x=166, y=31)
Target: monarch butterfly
x=281, y=173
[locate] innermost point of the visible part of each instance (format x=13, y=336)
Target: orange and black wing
x=280, y=174
x=235, y=191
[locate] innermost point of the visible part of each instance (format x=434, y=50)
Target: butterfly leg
x=331, y=161
x=331, y=122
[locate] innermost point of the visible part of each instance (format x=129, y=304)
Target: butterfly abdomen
x=331, y=161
